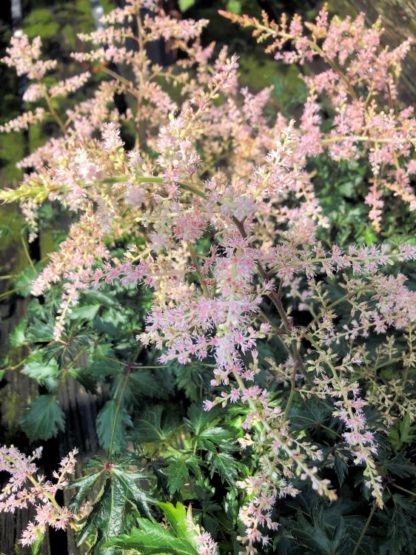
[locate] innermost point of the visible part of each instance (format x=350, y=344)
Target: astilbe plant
x=27, y=488
x=208, y=167
x=359, y=85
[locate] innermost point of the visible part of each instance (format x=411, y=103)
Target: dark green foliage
x=44, y=372
x=43, y=419
x=117, y=492
x=111, y=424
x=399, y=524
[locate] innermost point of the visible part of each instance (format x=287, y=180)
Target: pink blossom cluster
x=205, y=545
x=27, y=488
x=360, y=441
x=212, y=169
x=20, y=123
x=257, y=513
x=24, y=56
x=359, y=80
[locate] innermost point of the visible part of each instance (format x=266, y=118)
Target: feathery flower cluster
x=23, y=122
x=204, y=543
x=360, y=83
x=27, y=488
x=212, y=168
x=24, y=56
x=257, y=512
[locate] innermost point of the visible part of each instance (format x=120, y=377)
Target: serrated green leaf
x=84, y=312
x=17, y=338
x=130, y=481
x=154, y=538
x=314, y=537
x=43, y=419
x=100, y=298
x=151, y=537
x=150, y=427
x=42, y=332
x=177, y=474
x=102, y=368
x=107, y=327
x=112, y=422
x=106, y=519
x=198, y=420
x=145, y=383
x=341, y=468
x=225, y=465
x=83, y=486
x=214, y=435
x=190, y=379
x=23, y=284
x=401, y=467
x=45, y=373
x=403, y=433
x=177, y=517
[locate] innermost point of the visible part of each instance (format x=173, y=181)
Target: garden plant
x=254, y=349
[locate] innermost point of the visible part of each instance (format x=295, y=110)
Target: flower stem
x=365, y=528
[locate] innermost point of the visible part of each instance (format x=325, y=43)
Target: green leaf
x=188, y=379
x=177, y=474
x=340, y=467
x=41, y=19
x=198, y=419
x=84, y=486
x=100, y=298
x=177, y=517
x=145, y=383
x=106, y=520
x=151, y=537
x=130, y=481
x=225, y=465
x=45, y=373
x=86, y=312
x=101, y=368
x=40, y=331
x=150, y=427
x=185, y=4
x=370, y=237
x=234, y=6
x=23, y=283
x=401, y=467
x=111, y=426
x=154, y=538
x=314, y=536
x=107, y=327
x=17, y=338
x=403, y=433
x=43, y=419
x=214, y=435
